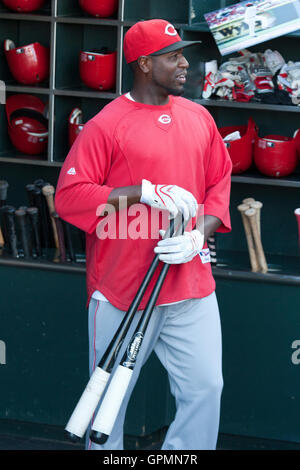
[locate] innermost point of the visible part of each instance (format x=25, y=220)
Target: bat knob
x=72, y=437
x=98, y=437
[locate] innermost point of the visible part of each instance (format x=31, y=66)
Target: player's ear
x=145, y=63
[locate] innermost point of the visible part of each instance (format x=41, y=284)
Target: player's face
x=169, y=72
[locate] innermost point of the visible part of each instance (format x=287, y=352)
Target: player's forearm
x=131, y=193
x=211, y=224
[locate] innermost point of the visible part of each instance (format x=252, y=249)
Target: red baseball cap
x=152, y=37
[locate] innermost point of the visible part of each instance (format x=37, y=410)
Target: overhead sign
x=244, y=24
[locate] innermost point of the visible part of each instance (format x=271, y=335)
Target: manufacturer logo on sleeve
x=71, y=171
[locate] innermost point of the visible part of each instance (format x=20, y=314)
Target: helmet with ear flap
x=28, y=64
x=27, y=123
x=275, y=155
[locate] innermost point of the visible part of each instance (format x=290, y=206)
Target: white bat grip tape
x=88, y=402
x=112, y=400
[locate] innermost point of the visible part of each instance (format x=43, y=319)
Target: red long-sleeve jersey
x=177, y=143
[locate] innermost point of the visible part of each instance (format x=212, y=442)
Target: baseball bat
x=39, y=183
x=251, y=214
x=83, y=412
x=248, y=200
x=249, y=237
x=69, y=241
x=3, y=192
x=257, y=205
x=297, y=215
x=2, y=242
x=119, y=384
x=22, y=223
x=9, y=212
x=34, y=219
x=48, y=192
x=29, y=189
x=60, y=236
x=37, y=192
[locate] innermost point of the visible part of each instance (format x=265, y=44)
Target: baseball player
x=161, y=152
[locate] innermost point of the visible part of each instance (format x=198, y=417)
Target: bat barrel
x=29, y=189
x=9, y=215
x=3, y=192
x=33, y=216
x=21, y=219
x=69, y=241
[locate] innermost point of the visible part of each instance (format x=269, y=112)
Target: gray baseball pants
x=187, y=340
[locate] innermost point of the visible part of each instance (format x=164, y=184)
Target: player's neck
x=149, y=96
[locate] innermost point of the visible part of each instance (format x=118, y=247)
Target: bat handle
x=111, y=404
x=60, y=236
x=87, y=404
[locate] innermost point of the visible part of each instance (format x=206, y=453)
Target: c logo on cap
x=168, y=28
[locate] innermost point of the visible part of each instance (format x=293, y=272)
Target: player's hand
x=181, y=249
x=169, y=197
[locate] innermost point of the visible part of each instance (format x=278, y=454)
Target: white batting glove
x=181, y=249
x=169, y=197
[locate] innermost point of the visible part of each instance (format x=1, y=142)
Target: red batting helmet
x=75, y=124
x=28, y=64
x=101, y=8
x=275, y=155
x=23, y=5
x=27, y=124
x=98, y=69
x=296, y=137
x=241, y=150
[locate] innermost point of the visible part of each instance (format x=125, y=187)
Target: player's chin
x=177, y=91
